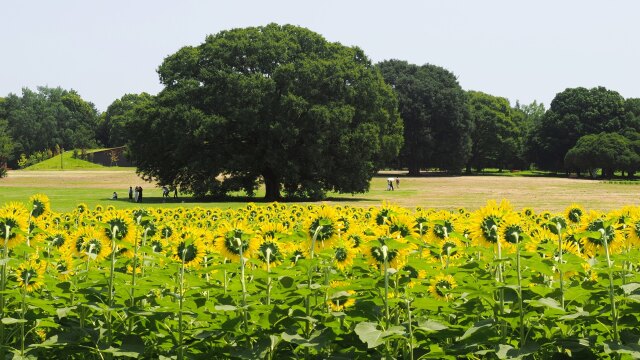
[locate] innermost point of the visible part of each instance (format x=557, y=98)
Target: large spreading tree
x=432, y=106
x=574, y=113
x=277, y=103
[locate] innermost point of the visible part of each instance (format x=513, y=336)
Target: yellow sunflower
x=512, y=230
x=354, y=237
x=90, y=242
x=344, y=254
x=448, y=249
x=441, y=225
x=272, y=229
x=595, y=222
x=269, y=250
x=81, y=208
x=441, y=287
x=486, y=221
x=295, y=251
x=400, y=225
x=341, y=297
x=574, y=213
x=13, y=225
x=324, y=225
x=30, y=274
x=632, y=230
x=64, y=266
x=396, y=251
x=231, y=236
x=188, y=246
x=40, y=205
x=121, y=223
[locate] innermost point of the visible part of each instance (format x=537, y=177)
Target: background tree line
x=281, y=103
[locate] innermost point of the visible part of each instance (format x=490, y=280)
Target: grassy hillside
x=68, y=163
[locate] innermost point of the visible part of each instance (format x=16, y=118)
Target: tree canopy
x=111, y=130
x=278, y=103
x=432, y=106
x=606, y=151
x=574, y=113
x=495, y=131
x=51, y=116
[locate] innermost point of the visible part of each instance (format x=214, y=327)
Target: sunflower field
x=312, y=281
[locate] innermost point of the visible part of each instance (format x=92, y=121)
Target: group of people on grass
x=390, y=182
x=135, y=195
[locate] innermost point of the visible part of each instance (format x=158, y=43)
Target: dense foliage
x=290, y=282
x=38, y=121
x=432, y=105
x=496, y=132
x=111, y=130
x=574, y=113
x=273, y=103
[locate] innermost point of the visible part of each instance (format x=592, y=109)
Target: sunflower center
x=38, y=208
x=122, y=228
x=439, y=229
x=12, y=224
x=489, y=226
x=268, y=246
x=56, y=240
x=401, y=228
x=378, y=255
x=341, y=254
x=574, y=215
x=512, y=233
x=325, y=232
x=156, y=246
x=231, y=243
x=28, y=276
x=187, y=252
x=598, y=225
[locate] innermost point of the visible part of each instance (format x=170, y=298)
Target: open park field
x=68, y=188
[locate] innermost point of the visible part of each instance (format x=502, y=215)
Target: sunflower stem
x=614, y=315
x=519, y=270
x=244, y=287
x=180, y=306
x=114, y=232
x=22, y=313
x=268, y=276
x=385, y=252
x=410, y=329
x=3, y=284
x=500, y=281
x=310, y=279
x=559, y=229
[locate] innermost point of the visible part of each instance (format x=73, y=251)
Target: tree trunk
x=272, y=186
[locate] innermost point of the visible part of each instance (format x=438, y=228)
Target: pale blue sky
x=522, y=50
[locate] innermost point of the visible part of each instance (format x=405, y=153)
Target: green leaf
x=431, y=326
x=630, y=288
x=480, y=328
x=368, y=333
x=9, y=321
x=546, y=302
x=579, y=313
x=225, y=308
x=509, y=352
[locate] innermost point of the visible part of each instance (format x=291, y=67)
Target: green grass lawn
x=66, y=189
x=70, y=163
